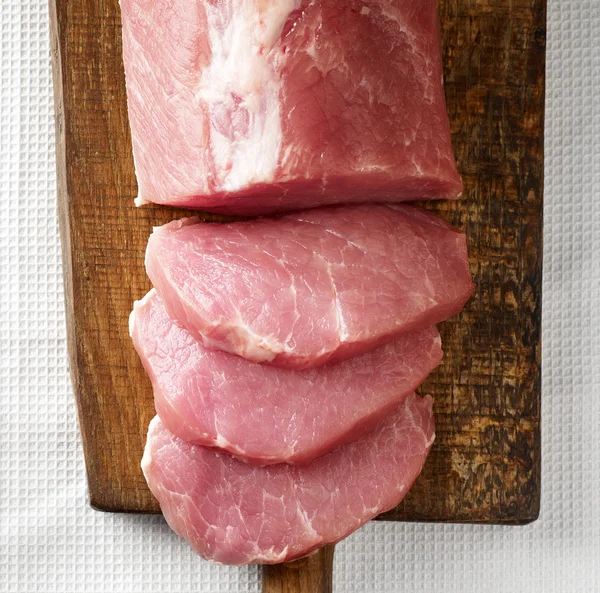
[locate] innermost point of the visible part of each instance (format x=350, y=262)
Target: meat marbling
x=234, y=513
x=312, y=287
x=269, y=415
x=250, y=107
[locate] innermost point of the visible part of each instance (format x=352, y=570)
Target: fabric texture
x=50, y=540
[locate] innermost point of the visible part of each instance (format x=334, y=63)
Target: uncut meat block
x=311, y=287
x=235, y=513
x=249, y=107
x=265, y=414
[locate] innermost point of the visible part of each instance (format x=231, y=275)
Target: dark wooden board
x=485, y=465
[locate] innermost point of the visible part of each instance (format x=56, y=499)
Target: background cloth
x=50, y=540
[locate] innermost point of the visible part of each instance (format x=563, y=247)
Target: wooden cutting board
x=485, y=465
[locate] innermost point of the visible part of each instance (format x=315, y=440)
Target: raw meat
x=234, y=513
x=251, y=107
x=269, y=415
x=311, y=287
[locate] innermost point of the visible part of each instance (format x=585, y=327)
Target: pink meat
x=269, y=415
x=251, y=107
x=234, y=513
x=312, y=287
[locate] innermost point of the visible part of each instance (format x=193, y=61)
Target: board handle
x=313, y=574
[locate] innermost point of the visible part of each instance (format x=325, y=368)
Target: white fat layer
x=222, y=443
x=147, y=457
x=139, y=201
x=255, y=347
x=136, y=306
x=240, y=76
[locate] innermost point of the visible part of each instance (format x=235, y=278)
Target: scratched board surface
x=485, y=465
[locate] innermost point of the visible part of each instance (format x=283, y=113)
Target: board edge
x=63, y=205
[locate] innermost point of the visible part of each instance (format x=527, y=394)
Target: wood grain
x=313, y=574
x=485, y=465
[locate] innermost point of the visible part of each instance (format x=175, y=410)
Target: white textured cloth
x=50, y=540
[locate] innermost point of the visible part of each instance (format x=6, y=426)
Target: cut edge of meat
x=263, y=199
x=221, y=335
x=418, y=416
x=201, y=432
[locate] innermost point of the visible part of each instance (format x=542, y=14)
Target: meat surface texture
x=251, y=107
x=265, y=414
x=235, y=513
x=312, y=287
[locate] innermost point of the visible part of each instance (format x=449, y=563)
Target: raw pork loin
x=235, y=513
x=248, y=107
x=311, y=287
x=269, y=415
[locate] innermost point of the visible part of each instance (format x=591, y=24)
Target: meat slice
x=235, y=513
x=269, y=415
x=250, y=107
x=311, y=287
